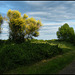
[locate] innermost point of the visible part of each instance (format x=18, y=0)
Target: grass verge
x=50, y=66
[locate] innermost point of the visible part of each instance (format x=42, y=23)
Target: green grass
x=13, y=55
x=46, y=65
x=50, y=66
x=62, y=44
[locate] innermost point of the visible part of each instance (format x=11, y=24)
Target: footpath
x=69, y=69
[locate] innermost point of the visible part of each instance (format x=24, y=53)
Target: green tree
x=73, y=39
x=22, y=27
x=65, y=32
x=1, y=21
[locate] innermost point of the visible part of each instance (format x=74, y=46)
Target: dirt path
x=70, y=69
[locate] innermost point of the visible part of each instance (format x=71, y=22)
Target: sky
x=52, y=14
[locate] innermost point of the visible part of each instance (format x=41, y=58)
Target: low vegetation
x=35, y=57
x=13, y=55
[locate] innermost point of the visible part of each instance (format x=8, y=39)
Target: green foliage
x=13, y=55
x=73, y=39
x=1, y=21
x=65, y=32
x=51, y=65
x=21, y=27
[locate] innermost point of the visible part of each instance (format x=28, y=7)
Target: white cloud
x=70, y=23
x=54, y=23
x=37, y=13
x=36, y=3
x=54, y=11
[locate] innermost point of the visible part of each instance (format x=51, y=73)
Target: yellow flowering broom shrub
x=1, y=21
x=22, y=27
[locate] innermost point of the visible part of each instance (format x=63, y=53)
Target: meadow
x=35, y=56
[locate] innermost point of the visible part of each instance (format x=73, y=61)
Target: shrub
x=1, y=21
x=12, y=55
x=22, y=27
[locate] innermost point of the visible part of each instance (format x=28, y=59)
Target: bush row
x=12, y=55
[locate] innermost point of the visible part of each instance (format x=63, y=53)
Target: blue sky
x=53, y=14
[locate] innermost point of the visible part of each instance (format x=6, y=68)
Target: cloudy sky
x=53, y=14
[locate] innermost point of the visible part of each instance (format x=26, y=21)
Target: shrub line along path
x=70, y=69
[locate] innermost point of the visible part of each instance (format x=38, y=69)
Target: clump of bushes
x=12, y=55
x=66, y=33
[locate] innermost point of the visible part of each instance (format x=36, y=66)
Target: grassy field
x=49, y=63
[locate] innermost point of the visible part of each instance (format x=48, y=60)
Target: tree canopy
x=22, y=26
x=65, y=32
